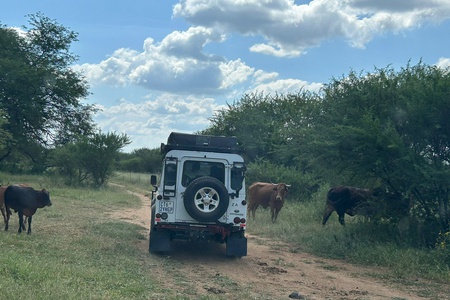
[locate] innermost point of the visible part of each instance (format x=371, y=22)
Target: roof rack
x=205, y=143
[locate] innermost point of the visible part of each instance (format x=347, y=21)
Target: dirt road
x=272, y=270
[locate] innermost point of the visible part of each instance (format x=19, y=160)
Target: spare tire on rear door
x=206, y=199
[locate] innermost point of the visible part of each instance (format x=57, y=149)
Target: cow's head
x=282, y=190
x=45, y=198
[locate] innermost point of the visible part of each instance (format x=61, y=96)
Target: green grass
x=75, y=250
x=141, y=181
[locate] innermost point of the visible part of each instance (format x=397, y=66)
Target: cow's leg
x=20, y=221
x=29, y=224
x=327, y=213
x=25, y=218
x=8, y=215
x=249, y=209
x=3, y=209
x=253, y=210
x=341, y=218
x=275, y=212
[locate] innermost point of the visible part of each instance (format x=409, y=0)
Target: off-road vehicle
x=201, y=193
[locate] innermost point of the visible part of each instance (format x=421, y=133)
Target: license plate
x=166, y=207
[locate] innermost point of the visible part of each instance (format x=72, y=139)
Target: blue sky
x=160, y=66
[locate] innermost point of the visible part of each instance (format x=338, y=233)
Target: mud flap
x=159, y=241
x=236, y=245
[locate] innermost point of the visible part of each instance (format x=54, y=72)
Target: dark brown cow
x=267, y=195
x=345, y=200
x=25, y=201
x=2, y=203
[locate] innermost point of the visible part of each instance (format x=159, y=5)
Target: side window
x=170, y=178
x=237, y=176
x=170, y=175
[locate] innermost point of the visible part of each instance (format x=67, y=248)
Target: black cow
x=25, y=201
x=346, y=200
x=2, y=203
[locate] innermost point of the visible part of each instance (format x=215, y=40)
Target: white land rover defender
x=201, y=194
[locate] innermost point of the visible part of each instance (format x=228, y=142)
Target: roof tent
x=206, y=143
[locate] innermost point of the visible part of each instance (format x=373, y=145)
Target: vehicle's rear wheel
x=206, y=199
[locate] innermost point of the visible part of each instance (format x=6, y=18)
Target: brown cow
x=345, y=200
x=267, y=195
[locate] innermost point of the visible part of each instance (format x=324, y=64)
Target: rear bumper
x=199, y=231
x=161, y=236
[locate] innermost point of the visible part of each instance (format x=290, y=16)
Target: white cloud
x=274, y=50
x=177, y=65
x=443, y=63
x=19, y=31
x=234, y=72
x=184, y=85
x=188, y=83
x=269, y=84
x=149, y=123
x=261, y=76
x=285, y=86
x=290, y=29
x=189, y=44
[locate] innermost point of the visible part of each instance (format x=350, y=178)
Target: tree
x=4, y=135
x=250, y=120
x=264, y=127
x=385, y=129
x=260, y=123
x=391, y=129
x=67, y=161
x=89, y=159
x=98, y=153
x=39, y=93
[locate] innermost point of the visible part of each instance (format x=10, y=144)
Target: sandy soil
x=272, y=270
